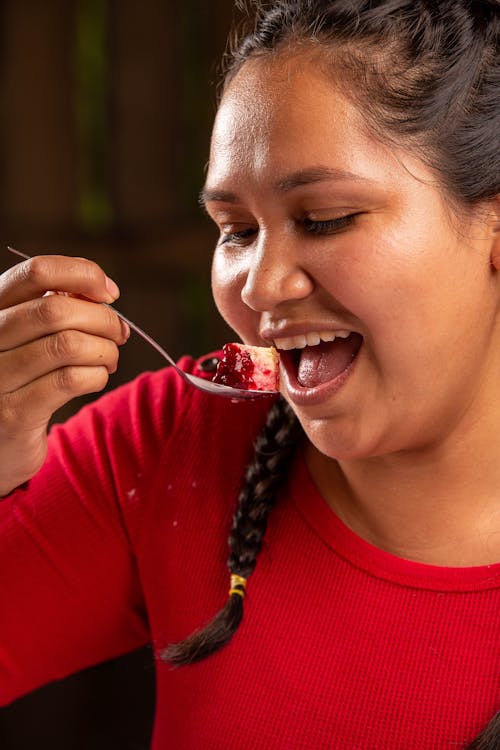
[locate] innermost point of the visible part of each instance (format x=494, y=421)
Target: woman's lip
x=302, y=396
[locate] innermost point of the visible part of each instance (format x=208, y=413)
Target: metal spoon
x=204, y=385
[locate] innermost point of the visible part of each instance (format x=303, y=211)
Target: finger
x=43, y=316
x=42, y=273
x=32, y=406
x=21, y=366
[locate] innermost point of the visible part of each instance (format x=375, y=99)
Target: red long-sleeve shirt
x=121, y=540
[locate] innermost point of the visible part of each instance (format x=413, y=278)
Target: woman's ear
x=494, y=223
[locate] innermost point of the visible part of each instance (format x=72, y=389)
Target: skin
x=406, y=451
x=52, y=349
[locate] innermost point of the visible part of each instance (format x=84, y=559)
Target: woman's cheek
x=228, y=279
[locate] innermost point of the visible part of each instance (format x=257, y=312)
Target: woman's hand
x=52, y=348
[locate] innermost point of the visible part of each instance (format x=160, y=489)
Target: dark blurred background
x=105, y=115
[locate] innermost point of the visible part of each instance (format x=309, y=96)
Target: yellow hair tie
x=238, y=585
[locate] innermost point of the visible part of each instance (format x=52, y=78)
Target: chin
x=343, y=443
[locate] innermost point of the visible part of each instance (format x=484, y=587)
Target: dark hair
x=427, y=73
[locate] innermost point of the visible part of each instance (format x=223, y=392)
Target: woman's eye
x=328, y=226
x=238, y=237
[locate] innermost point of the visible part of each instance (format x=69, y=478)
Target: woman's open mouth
x=317, y=359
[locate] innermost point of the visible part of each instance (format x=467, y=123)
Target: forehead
x=283, y=114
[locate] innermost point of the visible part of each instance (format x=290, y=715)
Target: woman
x=354, y=176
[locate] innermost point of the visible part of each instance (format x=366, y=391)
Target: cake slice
x=252, y=368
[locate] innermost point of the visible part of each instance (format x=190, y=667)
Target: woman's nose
x=275, y=275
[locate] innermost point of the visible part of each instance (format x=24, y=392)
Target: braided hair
x=274, y=449
x=489, y=739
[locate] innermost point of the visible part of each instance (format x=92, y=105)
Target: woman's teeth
x=309, y=339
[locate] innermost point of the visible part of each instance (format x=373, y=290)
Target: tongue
x=324, y=362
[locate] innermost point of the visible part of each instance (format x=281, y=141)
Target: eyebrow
x=290, y=182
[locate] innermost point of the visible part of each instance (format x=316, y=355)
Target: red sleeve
x=69, y=582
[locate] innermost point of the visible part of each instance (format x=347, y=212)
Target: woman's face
x=327, y=233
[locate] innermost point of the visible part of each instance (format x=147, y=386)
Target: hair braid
x=274, y=449
x=489, y=739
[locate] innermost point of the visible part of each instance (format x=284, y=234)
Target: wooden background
x=105, y=114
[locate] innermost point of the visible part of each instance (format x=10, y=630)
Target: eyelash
x=329, y=226
x=237, y=236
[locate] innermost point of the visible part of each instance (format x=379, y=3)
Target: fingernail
x=125, y=329
x=112, y=288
